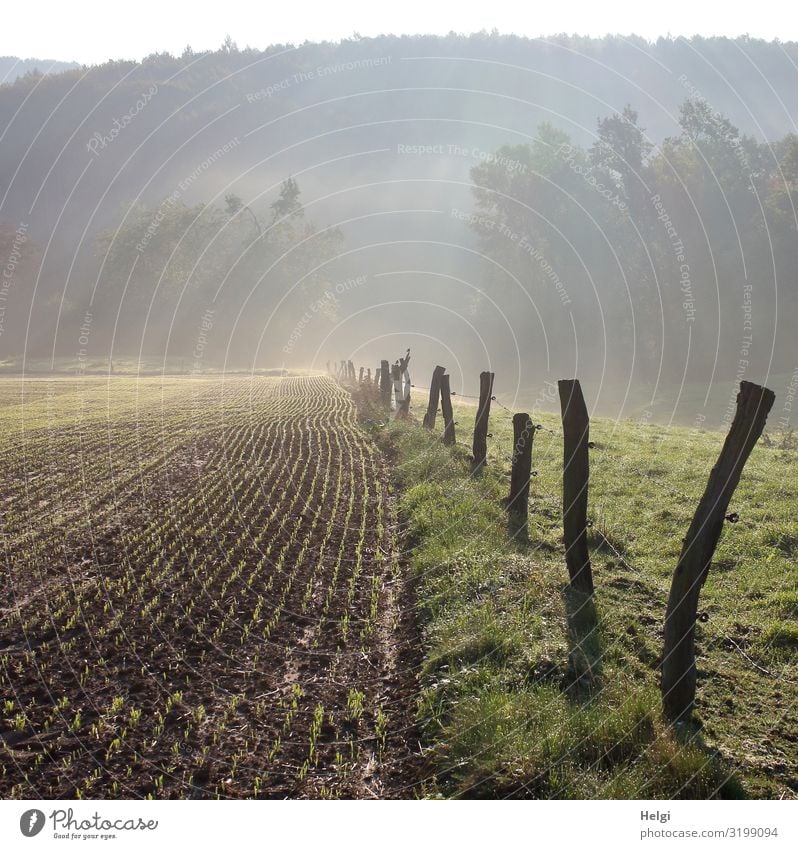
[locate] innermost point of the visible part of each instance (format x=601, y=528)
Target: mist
x=613, y=209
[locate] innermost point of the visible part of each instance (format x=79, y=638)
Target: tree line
x=688, y=244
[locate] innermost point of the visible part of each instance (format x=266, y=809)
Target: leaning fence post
x=521, y=471
x=576, y=471
x=446, y=407
x=434, y=393
x=480, y=449
x=678, y=659
x=385, y=384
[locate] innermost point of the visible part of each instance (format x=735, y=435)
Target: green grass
x=528, y=691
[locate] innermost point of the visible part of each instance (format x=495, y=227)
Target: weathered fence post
x=434, y=394
x=385, y=384
x=678, y=659
x=360, y=375
x=518, y=502
x=368, y=376
x=396, y=376
x=403, y=406
x=576, y=471
x=446, y=407
x=480, y=449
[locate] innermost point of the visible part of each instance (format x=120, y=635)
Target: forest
x=149, y=192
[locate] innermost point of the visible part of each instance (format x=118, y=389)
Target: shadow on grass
x=518, y=529
x=584, y=679
x=689, y=736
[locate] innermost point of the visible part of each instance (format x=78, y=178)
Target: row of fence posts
x=392, y=381
x=678, y=667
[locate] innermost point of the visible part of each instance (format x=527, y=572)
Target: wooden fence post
x=480, y=449
x=396, y=377
x=446, y=407
x=576, y=471
x=405, y=408
x=360, y=375
x=434, y=394
x=404, y=374
x=385, y=384
x=518, y=502
x=678, y=659
x=368, y=376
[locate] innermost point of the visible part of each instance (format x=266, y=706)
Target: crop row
x=210, y=623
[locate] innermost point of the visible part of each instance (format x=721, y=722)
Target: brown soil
x=240, y=625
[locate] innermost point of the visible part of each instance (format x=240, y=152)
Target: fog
x=614, y=209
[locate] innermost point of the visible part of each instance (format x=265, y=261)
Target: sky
x=92, y=31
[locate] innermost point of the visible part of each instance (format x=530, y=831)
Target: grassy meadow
x=519, y=698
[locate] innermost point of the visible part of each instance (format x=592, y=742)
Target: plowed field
x=200, y=594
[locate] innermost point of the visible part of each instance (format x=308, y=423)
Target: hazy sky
x=95, y=30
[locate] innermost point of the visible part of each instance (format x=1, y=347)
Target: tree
x=287, y=202
x=234, y=205
x=621, y=152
